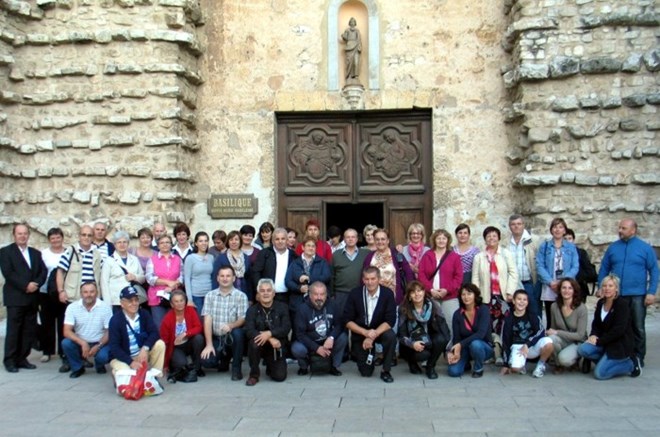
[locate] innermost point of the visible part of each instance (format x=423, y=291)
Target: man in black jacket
x=273, y=263
x=370, y=314
x=267, y=327
x=24, y=272
x=319, y=331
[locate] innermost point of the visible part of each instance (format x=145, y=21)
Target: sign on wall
x=229, y=206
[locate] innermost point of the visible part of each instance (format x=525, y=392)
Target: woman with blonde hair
x=610, y=344
x=416, y=247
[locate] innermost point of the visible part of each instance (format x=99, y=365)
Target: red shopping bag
x=134, y=390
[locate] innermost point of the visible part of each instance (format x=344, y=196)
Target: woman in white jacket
x=494, y=272
x=119, y=271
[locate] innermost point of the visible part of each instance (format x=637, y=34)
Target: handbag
x=419, y=334
x=142, y=293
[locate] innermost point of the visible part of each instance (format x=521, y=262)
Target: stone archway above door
x=380, y=157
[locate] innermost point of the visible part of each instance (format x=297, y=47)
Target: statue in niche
x=392, y=156
x=352, y=52
x=318, y=155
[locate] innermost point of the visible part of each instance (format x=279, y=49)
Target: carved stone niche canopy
x=317, y=159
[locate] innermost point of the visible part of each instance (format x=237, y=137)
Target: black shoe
x=171, y=379
x=431, y=373
x=236, y=375
x=302, y=371
x=478, y=374
x=414, y=368
x=201, y=373
x=87, y=364
x=11, y=368
x=334, y=371
x=637, y=370
x=223, y=366
x=26, y=365
x=468, y=366
x=386, y=377
x=378, y=361
x=76, y=373
x=190, y=376
x=101, y=370
x=585, y=367
x=64, y=368
x=395, y=362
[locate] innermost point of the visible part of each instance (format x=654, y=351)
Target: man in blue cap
x=134, y=337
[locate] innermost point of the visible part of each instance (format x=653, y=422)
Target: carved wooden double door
x=379, y=161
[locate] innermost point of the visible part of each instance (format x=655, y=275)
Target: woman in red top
x=181, y=331
x=323, y=249
x=441, y=273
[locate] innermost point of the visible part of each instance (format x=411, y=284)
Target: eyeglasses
x=86, y=235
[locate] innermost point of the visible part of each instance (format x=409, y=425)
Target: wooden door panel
x=296, y=219
x=382, y=157
x=390, y=157
x=400, y=218
x=318, y=158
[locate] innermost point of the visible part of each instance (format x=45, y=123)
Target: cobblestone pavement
x=45, y=402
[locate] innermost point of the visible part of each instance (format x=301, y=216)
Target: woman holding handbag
x=441, y=273
x=120, y=270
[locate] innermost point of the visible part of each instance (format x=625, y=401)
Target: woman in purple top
x=465, y=250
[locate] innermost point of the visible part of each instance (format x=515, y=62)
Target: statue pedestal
x=352, y=96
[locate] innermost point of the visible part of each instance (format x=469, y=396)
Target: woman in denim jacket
x=555, y=259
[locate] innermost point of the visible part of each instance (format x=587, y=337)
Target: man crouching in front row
x=370, y=314
x=134, y=338
x=267, y=327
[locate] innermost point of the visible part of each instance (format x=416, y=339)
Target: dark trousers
x=387, y=339
x=275, y=360
x=21, y=333
x=430, y=355
x=225, y=352
x=192, y=348
x=51, y=314
x=638, y=320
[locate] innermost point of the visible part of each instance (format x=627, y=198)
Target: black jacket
x=265, y=265
x=276, y=320
x=314, y=326
x=436, y=325
x=385, y=311
x=615, y=331
x=18, y=275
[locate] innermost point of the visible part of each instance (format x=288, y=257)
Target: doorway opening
x=354, y=215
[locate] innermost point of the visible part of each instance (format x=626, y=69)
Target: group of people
x=185, y=307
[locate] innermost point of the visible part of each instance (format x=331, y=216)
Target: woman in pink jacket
x=441, y=273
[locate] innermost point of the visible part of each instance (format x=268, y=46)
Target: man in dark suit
x=273, y=263
x=24, y=272
x=370, y=315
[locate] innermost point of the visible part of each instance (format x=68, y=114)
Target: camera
x=304, y=282
x=370, y=359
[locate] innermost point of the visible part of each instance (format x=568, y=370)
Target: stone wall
x=584, y=115
x=99, y=112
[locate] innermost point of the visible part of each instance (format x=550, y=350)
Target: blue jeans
x=223, y=351
x=199, y=304
x=606, y=368
x=302, y=354
x=478, y=351
x=638, y=319
x=73, y=353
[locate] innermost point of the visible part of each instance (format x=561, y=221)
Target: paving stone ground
x=43, y=402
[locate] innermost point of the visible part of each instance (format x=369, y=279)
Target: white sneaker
x=539, y=371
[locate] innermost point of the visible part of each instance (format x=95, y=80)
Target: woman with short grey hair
x=120, y=270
